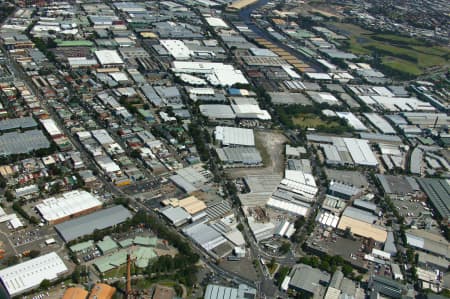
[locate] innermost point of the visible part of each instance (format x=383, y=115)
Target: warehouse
x=214, y=112
x=239, y=155
x=286, y=206
x=20, y=143
x=205, y=236
x=221, y=292
x=71, y=204
x=428, y=241
x=177, y=216
x=438, y=192
x=396, y=185
x=361, y=152
x=218, y=74
x=216, y=22
x=192, y=205
x=235, y=136
x=108, y=57
x=310, y=280
x=352, y=121
x=51, y=128
x=380, y=123
x=28, y=275
x=17, y=123
x=85, y=225
x=362, y=223
x=176, y=48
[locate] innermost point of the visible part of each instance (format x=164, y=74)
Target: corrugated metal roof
x=85, y=225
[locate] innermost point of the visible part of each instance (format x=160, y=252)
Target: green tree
x=45, y=284
x=34, y=253
x=285, y=247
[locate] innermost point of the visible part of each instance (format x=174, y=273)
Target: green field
x=402, y=55
x=309, y=120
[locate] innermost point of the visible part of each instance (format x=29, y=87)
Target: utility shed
x=28, y=275
x=85, y=225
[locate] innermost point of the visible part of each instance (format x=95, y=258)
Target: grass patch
x=309, y=120
x=272, y=268
x=400, y=64
x=118, y=272
x=407, y=55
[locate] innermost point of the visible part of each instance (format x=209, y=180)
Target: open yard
x=405, y=55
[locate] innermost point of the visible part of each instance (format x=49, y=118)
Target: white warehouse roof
x=360, y=151
x=216, y=22
x=176, y=48
x=235, y=136
x=106, y=57
x=28, y=275
x=51, y=127
x=69, y=203
x=287, y=206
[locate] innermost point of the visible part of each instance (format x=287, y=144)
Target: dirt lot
x=271, y=146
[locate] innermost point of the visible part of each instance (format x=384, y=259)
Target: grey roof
x=400, y=185
x=344, y=189
x=360, y=215
x=389, y=245
x=221, y=292
x=20, y=143
x=387, y=286
x=217, y=111
x=307, y=278
x=438, y=191
x=349, y=177
x=176, y=215
x=151, y=95
x=17, y=123
x=244, y=155
x=381, y=137
x=365, y=204
x=85, y=225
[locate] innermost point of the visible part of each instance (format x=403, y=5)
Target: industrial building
x=12, y=143
x=220, y=292
x=304, y=278
x=362, y=223
x=438, y=192
x=345, y=151
x=108, y=57
x=230, y=136
x=177, y=216
x=69, y=205
x=85, y=225
x=28, y=275
x=239, y=155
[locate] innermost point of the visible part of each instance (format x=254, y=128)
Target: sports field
x=402, y=54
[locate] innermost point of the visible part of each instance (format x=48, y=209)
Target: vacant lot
x=404, y=55
x=271, y=146
x=309, y=120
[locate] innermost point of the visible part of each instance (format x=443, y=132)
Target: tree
x=45, y=284
x=76, y=275
x=12, y=260
x=9, y=195
x=299, y=222
x=347, y=270
x=285, y=247
x=34, y=253
x=240, y=227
